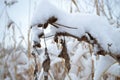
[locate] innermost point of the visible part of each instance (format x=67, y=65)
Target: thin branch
x=54, y=25
x=64, y=26
x=29, y=30
x=47, y=36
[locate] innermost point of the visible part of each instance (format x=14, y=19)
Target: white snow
x=71, y=76
x=35, y=33
x=114, y=70
x=44, y=11
x=103, y=64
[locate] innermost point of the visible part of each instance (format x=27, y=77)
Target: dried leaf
x=46, y=64
x=36, y=68
x=65, y=55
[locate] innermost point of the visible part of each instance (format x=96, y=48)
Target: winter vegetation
x=60, y=40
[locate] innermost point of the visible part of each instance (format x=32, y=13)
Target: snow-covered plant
x=95, y=31
x=80, y=43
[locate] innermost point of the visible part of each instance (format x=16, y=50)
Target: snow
x=53, y=49
x=55, y=60
x=78, y=54
x=97, y=26
x=35, y=34
x=71, y=76
x=44, y=11
x=114, y=70
x=103, y=64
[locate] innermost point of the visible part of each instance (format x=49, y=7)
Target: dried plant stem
x=92, y=70
x=76, y=5
x=57, y=24
x=36, y=67
x=14, y=38
x=97, y=7
x=29, y=43
x=29, y=30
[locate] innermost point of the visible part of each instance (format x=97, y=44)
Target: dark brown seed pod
x=52, y=20
x=45, y=25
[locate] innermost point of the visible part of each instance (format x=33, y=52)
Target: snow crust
x=97, y=26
